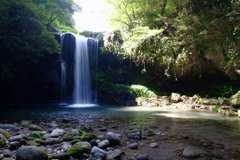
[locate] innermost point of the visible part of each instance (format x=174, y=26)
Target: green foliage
x=223, y=90
x=2, y=143
x=86, y=129
x=178, y=37
x=36, y=134
x=142, y=91
x=217, y=108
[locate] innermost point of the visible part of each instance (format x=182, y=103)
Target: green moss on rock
x=75, y=151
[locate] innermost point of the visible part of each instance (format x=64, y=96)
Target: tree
x=24, y=42
x=179, y=37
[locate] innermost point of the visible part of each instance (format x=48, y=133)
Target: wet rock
x=7, y=153
x=17, y=138
x=75, y=132
x=57, y=132
x=190, y=152
x=2, y=137
x=235, y=100
x=154, y=145
x=52, y=124
x=31, y=153
x=103, y=129
x=133, y=134
x=51, y=141
x=114, y=126
x=133, y=145
x=5, y=133
x=93, y=143
x=35, y=127
x=25, y=123
x=97, y=153
x=75, y=151
x=115, y=154
x=113, y=138
x=14, y=145
x=143, y=157
x=85, y=145
x=150, y=133
x=68, y=137
x=9, y=158
x=66, y=146
x=103, y=144
x=66, y=120
x=61, y=156
x=185, y=136
x=175, y=97
x=12, y=127
x=88, y=137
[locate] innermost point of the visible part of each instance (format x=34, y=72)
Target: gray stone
x=57, y=132
x=52, y=124
x=7, y=153
x=133, y=134
x=62, y=156
x=2, y=137
x=143, y=157
x=17, y=138
x=190, y=152
x=14, y=145
x=113, y=138
x=31, y=153
x=51, y=141
x=93, y=142
x=85, y=145
x=150, y=133
x=97, y=153
x=185, y=136
x=115, y=154
x=103, y=144
x=133, y=145
x=12, y=127
x=75, y=132
x=154, y=145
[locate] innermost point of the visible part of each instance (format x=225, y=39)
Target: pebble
x=154, y=145
x=133, y=145
x=190, y=152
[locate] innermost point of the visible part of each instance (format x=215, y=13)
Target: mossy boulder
x=31, y=153
x=88, y=136
x=235, y=100
x=5, y=133
x=34, y=127
x=75, y=151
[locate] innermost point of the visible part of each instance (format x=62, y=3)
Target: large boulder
x=57, y=132
x=113, y=138
x=235, y=100
x=175, y=97
x=97, y=153
x=31, y=153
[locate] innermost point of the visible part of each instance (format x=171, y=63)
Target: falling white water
x=82, y=88
x=63, y=68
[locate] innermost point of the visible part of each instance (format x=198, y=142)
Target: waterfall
x=75, y=70
x=82, y=91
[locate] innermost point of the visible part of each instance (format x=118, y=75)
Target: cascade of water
x=82, y=89
x=75, y=69
x=63, y=69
